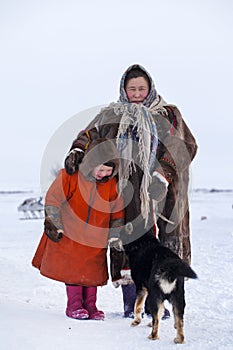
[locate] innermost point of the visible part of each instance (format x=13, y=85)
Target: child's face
x=101, y=171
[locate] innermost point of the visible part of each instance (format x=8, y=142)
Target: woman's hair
x=136, y=73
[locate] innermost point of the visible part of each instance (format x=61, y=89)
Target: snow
x=32, y=306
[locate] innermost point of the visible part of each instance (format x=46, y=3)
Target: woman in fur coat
x=83, y=212
x=156, y=149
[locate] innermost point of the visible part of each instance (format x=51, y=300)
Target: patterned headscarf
x=152, y=93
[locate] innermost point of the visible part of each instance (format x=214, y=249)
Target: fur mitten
x=158, y=187
x=73, y=159
x=116, y=243
x=52, y=225
x=51, y=231
x=124, y=280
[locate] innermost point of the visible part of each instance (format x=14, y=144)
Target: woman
x=156, y=148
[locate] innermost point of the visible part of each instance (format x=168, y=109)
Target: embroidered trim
x=173, y=120
x=168, y=161
x=89, y=139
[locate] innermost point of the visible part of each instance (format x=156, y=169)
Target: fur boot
x=75, y=307
x=90, y=304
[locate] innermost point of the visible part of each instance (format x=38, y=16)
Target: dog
x=158, y=274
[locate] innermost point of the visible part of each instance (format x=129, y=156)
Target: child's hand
x=124, y=280
x=51, y=231
x=116, y=243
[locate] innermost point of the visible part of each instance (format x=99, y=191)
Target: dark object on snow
x=158, y=273
x=32, y=208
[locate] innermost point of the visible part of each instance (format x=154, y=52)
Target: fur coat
x=175, y=152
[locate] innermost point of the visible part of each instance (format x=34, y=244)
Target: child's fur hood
x=99, y=152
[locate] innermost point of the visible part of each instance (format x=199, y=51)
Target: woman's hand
x=73, y=160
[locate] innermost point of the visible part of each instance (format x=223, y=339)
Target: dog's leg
x=179, y=326
x=139, y=306
x=178, y=303
x=156, y=315
x=160, y=313
x=155, y=327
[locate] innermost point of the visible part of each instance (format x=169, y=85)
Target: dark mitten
x=52, y=225
x=73, y=159
x=51, y=231
x=116, y=243
x=117, y=261
x=158, y=187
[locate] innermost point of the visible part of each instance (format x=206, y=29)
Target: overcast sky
x=61, y=57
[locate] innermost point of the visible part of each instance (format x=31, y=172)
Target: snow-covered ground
x=32, y=307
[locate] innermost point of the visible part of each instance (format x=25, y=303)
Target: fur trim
x=99, y=152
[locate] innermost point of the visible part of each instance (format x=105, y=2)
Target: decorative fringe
x=136, y=117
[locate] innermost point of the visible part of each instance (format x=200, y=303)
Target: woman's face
x=137, y=89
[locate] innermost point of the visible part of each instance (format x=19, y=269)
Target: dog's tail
x=173, y=268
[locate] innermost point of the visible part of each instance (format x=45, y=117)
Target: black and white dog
x=159, y=274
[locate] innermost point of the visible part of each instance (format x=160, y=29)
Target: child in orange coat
x=83, y=212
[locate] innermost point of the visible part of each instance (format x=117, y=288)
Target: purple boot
x=129, y=297
x=75, y=308
x=90, y=304
x=166, y=314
